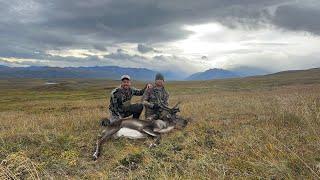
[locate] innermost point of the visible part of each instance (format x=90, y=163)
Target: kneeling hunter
x=120, y=101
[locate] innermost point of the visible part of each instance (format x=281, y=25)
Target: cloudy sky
x=181, y=35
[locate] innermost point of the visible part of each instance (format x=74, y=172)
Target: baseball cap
x=125, y=77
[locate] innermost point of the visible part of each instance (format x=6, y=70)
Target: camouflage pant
x=151, y=114
x=133, y=109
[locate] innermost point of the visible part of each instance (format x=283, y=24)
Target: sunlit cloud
x=225, y=47
x=78, y=53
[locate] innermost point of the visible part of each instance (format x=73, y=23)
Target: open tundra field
x=259, y=127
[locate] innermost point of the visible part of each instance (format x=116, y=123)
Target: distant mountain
x=213, y=74
x=108, y=72
x=174, y=75
x=2, y=67
x=296, y=74
x=245, y=71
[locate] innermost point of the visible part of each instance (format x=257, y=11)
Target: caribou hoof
x=152, y=145
x=95, y=156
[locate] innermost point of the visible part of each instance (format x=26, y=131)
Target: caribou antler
x=162, y=105
x=165, y=107
x=175, y=106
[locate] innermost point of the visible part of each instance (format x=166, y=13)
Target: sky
x=184, y=36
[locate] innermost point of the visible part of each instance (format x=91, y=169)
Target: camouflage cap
x=159, y=76
x=125, y=77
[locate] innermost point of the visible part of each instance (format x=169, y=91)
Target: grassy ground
x=242, y=128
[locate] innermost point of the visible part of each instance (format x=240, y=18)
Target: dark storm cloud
x=99, y=47
x=120, y=55
x=145, y=49
x=295, y=17
x=27, y=27
x=204, y=57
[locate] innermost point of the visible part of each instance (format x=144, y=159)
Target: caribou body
x=137, y=129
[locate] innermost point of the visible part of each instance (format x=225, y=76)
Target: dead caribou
x=137, y=129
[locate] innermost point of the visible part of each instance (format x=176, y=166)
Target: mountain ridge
x=211, y=74
x=144, y=74
x=109, y=72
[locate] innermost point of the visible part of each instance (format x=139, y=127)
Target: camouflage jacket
x=119, y=97
x=151, y=96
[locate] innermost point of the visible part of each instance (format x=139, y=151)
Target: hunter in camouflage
x=152, y=97
x=120, y=101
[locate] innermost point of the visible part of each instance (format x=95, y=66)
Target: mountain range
x=108, y=72
x=241, y=71
x=114, y=72
x=212, y=74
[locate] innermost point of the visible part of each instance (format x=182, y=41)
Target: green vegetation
x=261, y=127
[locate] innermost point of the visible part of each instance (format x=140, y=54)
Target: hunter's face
x=159, y=83
x=125, y=83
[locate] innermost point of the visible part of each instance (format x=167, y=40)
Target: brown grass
x=256, y=133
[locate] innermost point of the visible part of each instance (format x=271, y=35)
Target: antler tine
x=178, y=103
x=163, y=105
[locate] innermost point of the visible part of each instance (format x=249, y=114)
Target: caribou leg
x=150, y=131
x=155, y=135
x=107, y=133
x=156, y=141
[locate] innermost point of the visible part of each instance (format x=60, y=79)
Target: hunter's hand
x=149, y=86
